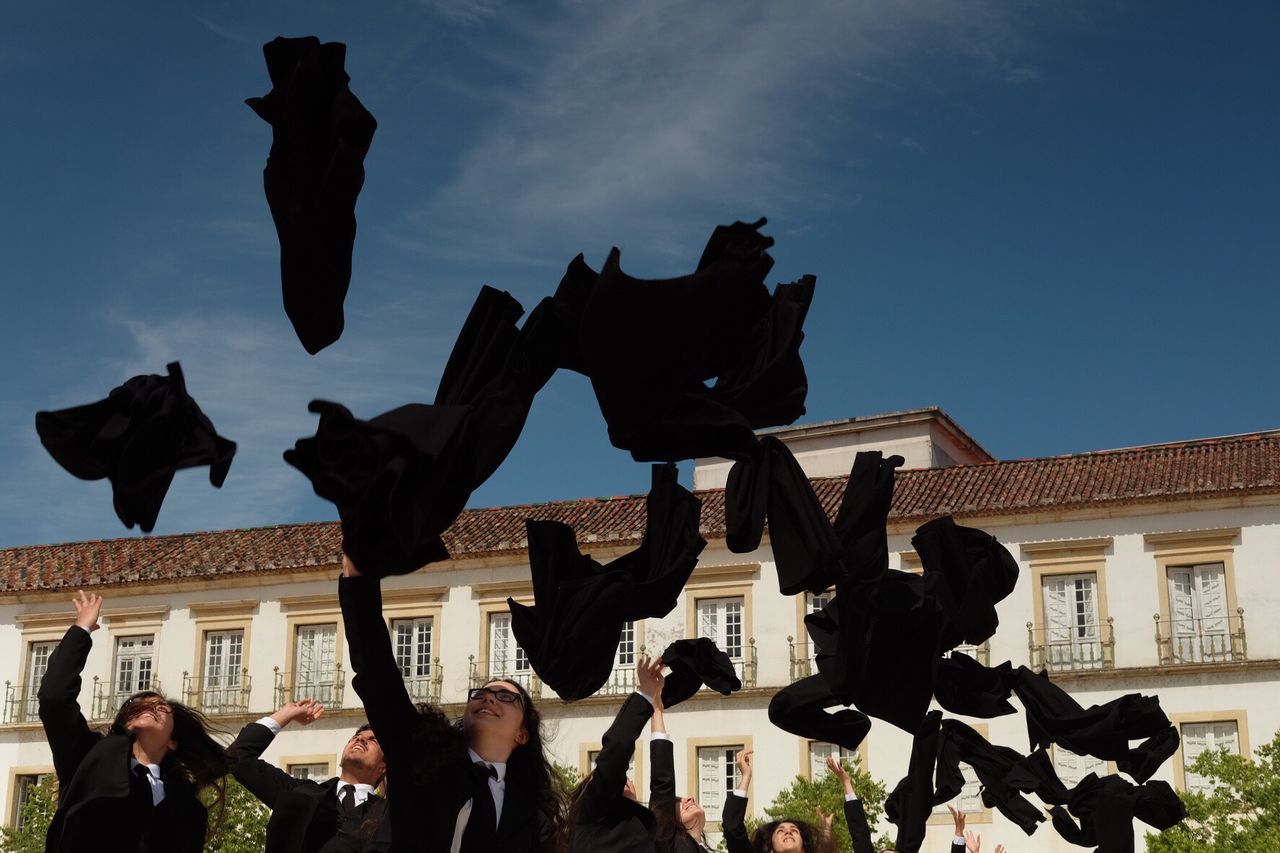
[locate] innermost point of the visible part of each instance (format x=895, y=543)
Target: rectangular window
x=594, y=755
x=1072, y=635
x=626, y=655
x=37, y=663
x=815, y=601
x=22, y=785
x=134, y=665
x=221, y=691
x=506, y=658
x=820, y=752
x=717, y=777
x=720, y=620
x=414, y=639
x=314, y=772
x=1198, y=615
x=1198, y=738
x=1071, y=768
x=315, y=662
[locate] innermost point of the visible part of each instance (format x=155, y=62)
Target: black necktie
x=348, y=800
x=142, y=785
x=482, y=826
x=484, y=772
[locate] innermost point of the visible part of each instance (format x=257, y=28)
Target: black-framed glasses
x=510, y=697
x=149, y=702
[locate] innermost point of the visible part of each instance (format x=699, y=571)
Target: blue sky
x=1056, y=221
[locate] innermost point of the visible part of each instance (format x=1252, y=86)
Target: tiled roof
x=1209, y=468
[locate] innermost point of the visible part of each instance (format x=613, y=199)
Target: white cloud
x=655, y=119
x=466, y=12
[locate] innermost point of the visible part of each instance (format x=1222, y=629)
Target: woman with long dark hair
x=481, y=784
x=789, y=834
x=681, y=820
x=133, y=788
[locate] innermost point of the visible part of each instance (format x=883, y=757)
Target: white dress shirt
x=153, y=776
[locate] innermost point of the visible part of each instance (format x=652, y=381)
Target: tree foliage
x=243, y=828
x=802, y=800
x=1242, y=812
x=37, y=814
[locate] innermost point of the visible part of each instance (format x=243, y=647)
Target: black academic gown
x=734, y=825
x=423, y=806
x=304, y=814
x=606, y=821
x=662, y=797
x=96, y=812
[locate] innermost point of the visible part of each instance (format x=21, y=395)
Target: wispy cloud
x=629, y=112
x=466, y=12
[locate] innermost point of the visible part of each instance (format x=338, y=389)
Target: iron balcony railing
x=483, y=671
x=980, y=653
x=622, y=680
x=217, y=694
x=747, y=666
x=1190, y=641
x=20, y=705
x=1080, y=648
x=108, y=696
x=802, y=663
x=325, y=687
x=426, y=688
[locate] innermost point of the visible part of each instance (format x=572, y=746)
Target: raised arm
x=264, y=780
x=64, y=726
x=733, y=818
x=662, y=764
x=392, y=714
x=604, y=792
x=854, y=814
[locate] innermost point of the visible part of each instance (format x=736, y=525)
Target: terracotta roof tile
x=1207, y=468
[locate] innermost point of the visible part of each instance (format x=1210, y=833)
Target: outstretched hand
x=88, y=608
x=304, y=712
x=958, y=817
x=824, y=820
x=837, y=770
x=649, y=678
x=743, y=760
x=972, y=842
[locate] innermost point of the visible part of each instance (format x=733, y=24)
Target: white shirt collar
x=153, y=769
x=500, y=766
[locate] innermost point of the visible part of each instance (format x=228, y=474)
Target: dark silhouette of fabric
x=969, y=572
x=1103, y=731
x=400, y=479
x=571, y=633
x=995, y=767
x=801, y=709
x=138, y=438
x=1145, y=759
x=695, y=663
x=650, y=347
x=1107, y=807
x=320, y=134
x=964, y=686
x=911, y=802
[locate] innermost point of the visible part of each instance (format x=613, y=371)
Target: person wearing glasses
x=135, y=786
x=480, y=784
x=339, y=815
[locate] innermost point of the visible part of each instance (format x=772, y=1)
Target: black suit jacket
x=423, y=808
x=733, y=822
x=298, y=822
x=606, y=821
x=662, y=797
x=94, y=779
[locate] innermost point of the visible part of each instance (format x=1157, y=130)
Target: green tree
x=565, y=779
x=802, y=800
x=1242, y=812
x=243, y=827
x=37, y=813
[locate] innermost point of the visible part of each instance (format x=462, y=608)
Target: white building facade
x=1149, y=569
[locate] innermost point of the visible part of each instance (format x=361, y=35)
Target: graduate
x=604, y=815
x=681, y=820
x=340, y=815
x=481, y=784
x=133, y=788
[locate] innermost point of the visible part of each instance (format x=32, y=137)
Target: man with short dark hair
x=340, y=815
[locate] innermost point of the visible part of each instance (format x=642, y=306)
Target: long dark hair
x=198, y=758
x=814, y=840
x=670, y=827
x=439, y=745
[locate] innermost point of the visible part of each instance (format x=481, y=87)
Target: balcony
x=747, y=667
x=217, y=694
x=426, y=688
x=1081, y=648
x=802, y=663
x=325, y=687
x=20, y=705
x=1198, y=641
x=484, y=671
x=981, y=653
x=108, y=696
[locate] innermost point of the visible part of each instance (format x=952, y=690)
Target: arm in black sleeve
x=265, y=781
x=617, y=747
x=65, y=727
x=392, y=714
x=733, y=822
x=859, y=831
x=662, y=776
x=957, y=846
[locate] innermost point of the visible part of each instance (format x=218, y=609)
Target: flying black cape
x=694, y=663
x=138, y=437
x=320, y=133
x=801, y=709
